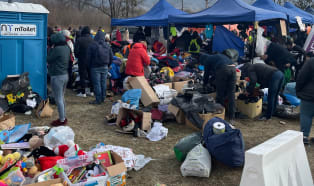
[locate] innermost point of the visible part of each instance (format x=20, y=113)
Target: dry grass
x=87, y=121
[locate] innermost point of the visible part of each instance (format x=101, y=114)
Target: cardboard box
x=47, y=183
x=116, y=172
x=178, y=86
x=7, y=122
x=168, y=84
x=148, y=97
x=252, y=110
x=177, y=79
x=146, y=121
x=180, y=117
x=206, y=118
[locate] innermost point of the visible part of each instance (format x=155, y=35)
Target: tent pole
x=254, y=40
x=168, y=36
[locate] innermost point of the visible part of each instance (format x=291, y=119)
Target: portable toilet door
x=23, y=43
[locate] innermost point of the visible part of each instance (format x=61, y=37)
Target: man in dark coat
x=224, y=70
x=268, y=77
x=80, y=50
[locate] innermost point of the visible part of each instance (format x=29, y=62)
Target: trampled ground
x=87, y=121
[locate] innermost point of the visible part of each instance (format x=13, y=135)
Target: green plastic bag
x=186, y=144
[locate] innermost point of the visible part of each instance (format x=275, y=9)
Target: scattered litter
x=158, y=132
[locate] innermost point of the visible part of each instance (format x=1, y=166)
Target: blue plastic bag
x=293, y=100
x=227, y=147
x=115, y=71
x=14, y=135
x=133, y=95
x=290, y=89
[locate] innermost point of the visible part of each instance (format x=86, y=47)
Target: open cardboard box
x=146, y=117
x=47, y=183
x=177, y=112
x=206, y=118
x=178, y=86
x=252, y=110
x=118, y=167
x=148, y=97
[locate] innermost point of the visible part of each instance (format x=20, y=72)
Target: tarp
x=302, y=13
x=271, y=5
x=227, y=11
x=224, y=39
x=156, y=16
x=310, y=10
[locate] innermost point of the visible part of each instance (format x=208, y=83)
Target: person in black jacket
x=305, y=91
x=80, y=51
x=224, y=70
x=268, y=77
x=280, y=56
x=99, y=57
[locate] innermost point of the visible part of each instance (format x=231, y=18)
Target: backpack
x=103, y=53
x=194, y=46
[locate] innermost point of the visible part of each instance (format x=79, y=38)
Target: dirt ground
x=87, y=121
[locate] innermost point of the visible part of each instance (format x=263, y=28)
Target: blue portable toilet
x=23, y=43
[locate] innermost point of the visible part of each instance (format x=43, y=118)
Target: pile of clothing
x=193, y=103
x=16, y=95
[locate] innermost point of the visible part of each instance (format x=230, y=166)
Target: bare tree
x=303, y=4
x=115, y=8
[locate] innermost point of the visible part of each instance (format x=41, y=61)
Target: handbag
x=44, y=109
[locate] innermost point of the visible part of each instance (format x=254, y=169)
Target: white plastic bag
x=58, y=136
x=141, y=161
x=197, y=162
x=261, y=42
x=165, y=94
x=116, y=107
x=158, y=132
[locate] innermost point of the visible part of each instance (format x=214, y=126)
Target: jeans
x=306, y=116
x=58, y=86
x=225, y=88
x=99, y=79
x=274, y=88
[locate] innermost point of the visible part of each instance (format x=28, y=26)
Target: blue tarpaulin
x=271, y=5
x=310, y=10
x=302, y=13
x=227, y=11
x=156, y=16
x=224, y=39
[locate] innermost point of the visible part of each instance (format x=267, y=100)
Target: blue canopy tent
x=302, y=13
x=270, y=5
x=227, y=11
x=224, y=39
x=310, y=10
x=156, y=16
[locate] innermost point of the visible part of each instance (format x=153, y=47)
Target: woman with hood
x=137, y=59
x=99, y=57
x=58, y=61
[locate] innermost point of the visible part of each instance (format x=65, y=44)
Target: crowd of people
x=94, y=53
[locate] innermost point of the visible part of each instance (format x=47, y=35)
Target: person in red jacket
x=137, y=59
